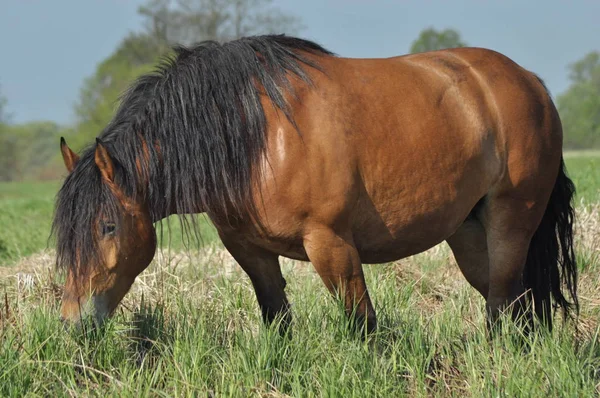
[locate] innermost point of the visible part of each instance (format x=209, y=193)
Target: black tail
x=551, y=270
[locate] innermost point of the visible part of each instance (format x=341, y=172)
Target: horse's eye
x=108, y=228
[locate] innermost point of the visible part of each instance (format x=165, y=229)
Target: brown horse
x=293, y=151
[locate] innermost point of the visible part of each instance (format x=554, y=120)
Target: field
x=191, y=325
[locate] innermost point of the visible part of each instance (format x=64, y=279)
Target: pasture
x=191, y=325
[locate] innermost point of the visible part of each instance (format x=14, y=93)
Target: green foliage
x=189, y=21
x=431, y=39
x=579, y=106
x=99, y=95
x=26, y=150
x=167, y=23
x=3, y=115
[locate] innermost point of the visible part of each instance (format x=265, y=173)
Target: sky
x=48, y=47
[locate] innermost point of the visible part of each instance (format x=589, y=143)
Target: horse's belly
x=380, y=240
x=381, y=248
x=394, y=233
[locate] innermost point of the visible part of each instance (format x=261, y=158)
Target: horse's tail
x=551, y=269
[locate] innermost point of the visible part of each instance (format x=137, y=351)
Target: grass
x=196, y=331
x=26, y=215
x=584, y=171
x=191, y=325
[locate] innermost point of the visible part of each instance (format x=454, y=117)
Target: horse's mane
x=200, y=127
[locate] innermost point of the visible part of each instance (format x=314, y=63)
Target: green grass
x=584, y=170
x=196, y=331
x=25, y=218
x=26, y=210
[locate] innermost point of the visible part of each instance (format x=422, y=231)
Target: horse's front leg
x=337, y=262
x=264, y=271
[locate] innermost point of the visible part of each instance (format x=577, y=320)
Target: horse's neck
x=164, y=210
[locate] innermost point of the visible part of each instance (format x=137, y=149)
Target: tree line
x=28, y=151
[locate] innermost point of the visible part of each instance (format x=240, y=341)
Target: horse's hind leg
x=469, y=246
x=265, y=273
x=337, y=262
x=510, y=223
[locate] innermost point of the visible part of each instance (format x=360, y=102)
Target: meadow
x=191, y=327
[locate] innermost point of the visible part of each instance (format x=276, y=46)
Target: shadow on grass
x=150, y=335
x=140, y=345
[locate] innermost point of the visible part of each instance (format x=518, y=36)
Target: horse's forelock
x=81, y=200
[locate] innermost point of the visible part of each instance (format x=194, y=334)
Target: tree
x=166, y=23
x=98, y=98
x=431, y=39
x=579, y=106
x=7, y=145
x=26, y=150
x=4, y=117
x=189, y=21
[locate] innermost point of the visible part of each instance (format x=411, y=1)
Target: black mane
x=200, y=123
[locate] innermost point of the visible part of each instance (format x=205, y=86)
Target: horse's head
x=104, y=233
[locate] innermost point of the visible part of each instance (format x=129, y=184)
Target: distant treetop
x=579, y=106
x=431, y=39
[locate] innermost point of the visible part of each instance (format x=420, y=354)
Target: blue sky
x=48, y=47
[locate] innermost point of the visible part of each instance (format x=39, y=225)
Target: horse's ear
x=70, y=157
x=103, y=161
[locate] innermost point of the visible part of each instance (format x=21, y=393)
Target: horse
x=294, y=151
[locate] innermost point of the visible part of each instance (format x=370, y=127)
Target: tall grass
x=196, y=331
